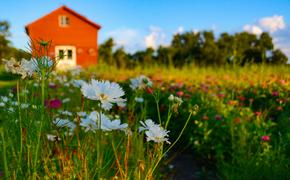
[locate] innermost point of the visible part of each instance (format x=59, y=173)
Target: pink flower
x=218, y=117
x=275, y=93
x=265, y=138
x=180, y=93
x=258, y=113
x=52, y=85
x=53, y=103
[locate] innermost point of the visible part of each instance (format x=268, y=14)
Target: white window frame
x=63, y=21
x=65, y=62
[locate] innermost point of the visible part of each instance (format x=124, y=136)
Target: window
x=65, y=54
x=60, y=54
x=63, y=21
x=69, y=54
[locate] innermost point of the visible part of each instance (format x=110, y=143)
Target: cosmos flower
x=140, y=82
x=154, y=132
x=91, y=122
x=24, y=68
x=52, y=137
x=28, y=67
x=139, y=99
x=105, y=92
x=78, y=83
x=108, y=125
x=64, y=123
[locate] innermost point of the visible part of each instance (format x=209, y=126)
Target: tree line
x=199, y=48
x=7, y=50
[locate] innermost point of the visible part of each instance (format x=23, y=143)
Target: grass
x=237, y=106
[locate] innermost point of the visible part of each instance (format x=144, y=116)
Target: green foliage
x=6, y=49
x=201, y=48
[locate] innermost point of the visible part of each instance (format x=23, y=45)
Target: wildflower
x=2, y=104
x=90, y=122
x=24, y=105
x=275, y=93
x=67, y=113
x=139, y=99
x=52, y=85
x=218, y=117
x=66, y=100
x=258, y=113
x=53, y=103
x=105, y=92
x=4, y=98
x=78, y=83
x=81, y=114
x=180, y=93
x=149, y=90
x=64, y=123
x=108, y=125
x=265, y=138
x=52, y=137
x=175, y=99
x=140, y=82
x=154, y=132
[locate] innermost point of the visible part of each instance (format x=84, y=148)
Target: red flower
x=53, y=103
x=242, y=98
x=180, y=93
x=258, y=113
x=275, y=93
x=265, y=138
x=218, y=117
x=149, y=90
x=205, y=118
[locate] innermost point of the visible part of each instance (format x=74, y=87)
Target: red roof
x=70, y=11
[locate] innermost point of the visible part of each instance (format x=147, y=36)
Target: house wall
x=79, y=33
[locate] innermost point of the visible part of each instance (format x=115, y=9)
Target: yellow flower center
x=103, y=97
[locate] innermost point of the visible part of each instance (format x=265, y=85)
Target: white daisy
x=108, y=125
x=105, y=92
x=64, y=123
x=140, y=82
x=154, y=132
x=52, y=137
x=78, y=83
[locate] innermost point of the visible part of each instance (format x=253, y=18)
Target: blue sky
x=137, y=24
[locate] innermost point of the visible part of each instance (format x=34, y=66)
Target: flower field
x=109, y=123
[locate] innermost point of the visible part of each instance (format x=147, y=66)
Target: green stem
x=42, y=115
x=180, y=134
x=157, y=106
x=20, y=123
x=4, y=155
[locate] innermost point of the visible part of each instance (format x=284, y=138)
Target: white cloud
x=253, y=29
x=155, y=38
x=273, y=23
x=126, y=37
x=180, y=30
x=277, y=28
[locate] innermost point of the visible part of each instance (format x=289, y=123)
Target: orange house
x=73, y=37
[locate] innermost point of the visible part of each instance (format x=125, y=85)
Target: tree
x=121, y=58
x=278, y=57
x=4, y=42
x=106, y=51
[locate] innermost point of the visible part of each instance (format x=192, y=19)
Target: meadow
x=116, y=123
